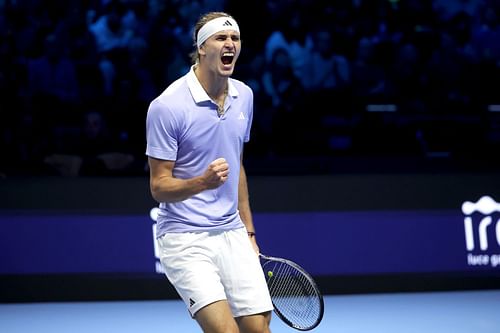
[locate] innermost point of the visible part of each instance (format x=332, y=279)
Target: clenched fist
x=216, y=173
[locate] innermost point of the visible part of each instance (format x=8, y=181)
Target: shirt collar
x=199, y=94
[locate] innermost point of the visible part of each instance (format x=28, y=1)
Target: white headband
x=214, y=26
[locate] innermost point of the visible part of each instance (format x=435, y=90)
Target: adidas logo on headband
x=214, y=26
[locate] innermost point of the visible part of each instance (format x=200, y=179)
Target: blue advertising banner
x=325, y=243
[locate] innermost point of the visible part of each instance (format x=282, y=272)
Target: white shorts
x=205, y=267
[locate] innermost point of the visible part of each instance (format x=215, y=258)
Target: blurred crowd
x=330, y=78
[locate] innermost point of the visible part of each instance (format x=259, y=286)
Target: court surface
x=456, y=312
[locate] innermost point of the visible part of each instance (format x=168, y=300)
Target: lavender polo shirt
x=182, y=125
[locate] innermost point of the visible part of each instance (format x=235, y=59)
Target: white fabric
x=205, y=267
x=214, y=26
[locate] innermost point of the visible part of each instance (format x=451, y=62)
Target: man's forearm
x=244, y=201
x=170, y=189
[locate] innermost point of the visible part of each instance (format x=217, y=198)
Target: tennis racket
x=295, y=296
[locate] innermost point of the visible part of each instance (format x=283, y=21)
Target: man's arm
x=166, y=188
x=244, y=207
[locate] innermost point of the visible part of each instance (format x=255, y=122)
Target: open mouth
x=227, y=58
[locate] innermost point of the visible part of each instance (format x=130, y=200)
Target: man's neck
x=214, y=85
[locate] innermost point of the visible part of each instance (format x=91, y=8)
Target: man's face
x=221, y=50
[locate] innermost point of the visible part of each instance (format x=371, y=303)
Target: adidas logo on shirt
x=241, y=116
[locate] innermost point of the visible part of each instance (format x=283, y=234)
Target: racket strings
x=294, y=295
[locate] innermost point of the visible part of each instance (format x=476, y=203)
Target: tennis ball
x=270, y=274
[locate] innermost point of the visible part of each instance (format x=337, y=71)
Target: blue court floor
x=439, y=312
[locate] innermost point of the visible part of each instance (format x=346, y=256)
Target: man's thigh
x=216, y=318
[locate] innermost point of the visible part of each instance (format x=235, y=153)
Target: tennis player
x=196, y=130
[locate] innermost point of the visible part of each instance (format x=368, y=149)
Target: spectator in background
x=113, y=32
x=409, y=78
x=54, y=73
x=286, y=104
x=53, y=87
x=293, y=37
x=279, y=82
x=100, y=149
x=326, y=70
x=112, y=29
x=82, y=49
x=370, y=79
x=167, y=41
x=95, y=152
x=452, y=75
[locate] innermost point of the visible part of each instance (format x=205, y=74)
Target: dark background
x=360, y=106
x=352, y=85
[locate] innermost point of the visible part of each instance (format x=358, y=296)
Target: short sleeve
x=162, y=132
